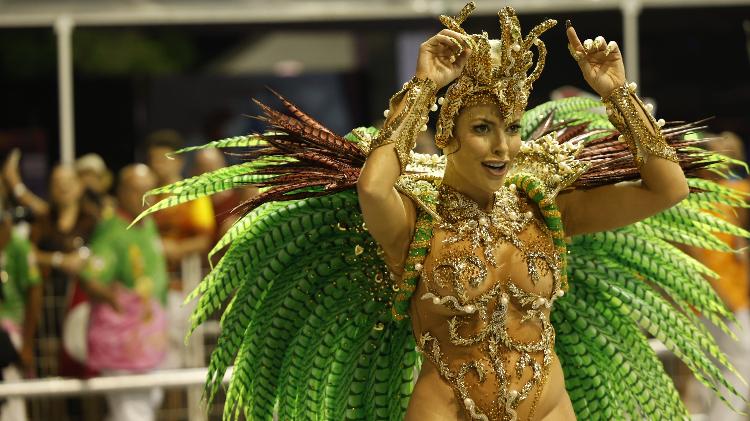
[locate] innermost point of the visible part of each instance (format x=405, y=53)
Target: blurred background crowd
x=96, y=94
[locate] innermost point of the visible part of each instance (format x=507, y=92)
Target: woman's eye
x=481, y=128
x=514, y=128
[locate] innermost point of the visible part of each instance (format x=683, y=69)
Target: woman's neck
x=484, y=199
x=67, y=216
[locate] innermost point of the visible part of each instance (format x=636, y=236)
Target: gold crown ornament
x=496, y=72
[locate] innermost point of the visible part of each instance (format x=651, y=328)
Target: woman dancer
x=465, y=256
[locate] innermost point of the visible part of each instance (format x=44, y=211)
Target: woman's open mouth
x=496, y=168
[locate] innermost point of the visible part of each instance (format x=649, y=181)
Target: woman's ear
x=452, y=147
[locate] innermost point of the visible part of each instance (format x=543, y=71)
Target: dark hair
x=166, y=138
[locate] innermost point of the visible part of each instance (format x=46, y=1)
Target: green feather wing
x=309, y=328
x=306, y=307
x=626, y=283
x=633, y=282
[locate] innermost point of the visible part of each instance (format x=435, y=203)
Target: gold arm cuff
x=622, y=107
x=402, y=129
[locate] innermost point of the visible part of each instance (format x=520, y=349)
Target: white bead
x=386, y=112
x=441, y=100
x=516, y=47
x=468, y=402
x=470, y=309
x=632, y=86
x=434, y=107
x=418, y=267
x=483, y=221
x=504, y=300
x=660, y=122
x=435, y=300
x=529, y=214
x=621, y=138
x=560, y=293
x=513, y=394
x=423, y=128
x=512, y=187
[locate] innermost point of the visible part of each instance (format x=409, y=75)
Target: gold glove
x=403, y=128
x=622, y=107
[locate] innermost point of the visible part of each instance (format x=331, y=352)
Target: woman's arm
x=662, y=183
x=662, y=186
x=389, y=216
x=24, y=196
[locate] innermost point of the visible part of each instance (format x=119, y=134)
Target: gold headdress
x=496, y=71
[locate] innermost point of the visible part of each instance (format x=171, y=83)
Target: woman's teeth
x=496, y=169
x=497, y=166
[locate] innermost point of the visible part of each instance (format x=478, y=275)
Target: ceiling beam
x=137, y=13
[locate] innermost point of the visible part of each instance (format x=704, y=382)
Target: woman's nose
x=500, y=145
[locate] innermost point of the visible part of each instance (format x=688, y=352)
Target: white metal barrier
x=57, y=386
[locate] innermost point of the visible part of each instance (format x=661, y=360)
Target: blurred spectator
x=20, y=308
x=224, y=203
x=733, y=286
x=188, y=228
x=97, y=180
x=126, y=277
x=61, y=235
x=185, y=230
x=92, y=172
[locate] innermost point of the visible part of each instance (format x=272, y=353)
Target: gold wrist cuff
x=403, y=128
x=622, y=107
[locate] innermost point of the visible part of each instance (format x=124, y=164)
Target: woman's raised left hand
x=600, y=62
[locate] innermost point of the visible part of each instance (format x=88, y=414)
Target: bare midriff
x=434, y=400
x=480, y=316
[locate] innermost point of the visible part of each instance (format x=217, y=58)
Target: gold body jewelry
x=643, y=138
x=495, y=271
x=402, y=129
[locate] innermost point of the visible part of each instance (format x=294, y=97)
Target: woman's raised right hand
x=442, y=57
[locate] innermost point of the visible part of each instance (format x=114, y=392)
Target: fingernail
x=568, y=24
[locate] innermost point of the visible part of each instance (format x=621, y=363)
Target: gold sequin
x=623, y=108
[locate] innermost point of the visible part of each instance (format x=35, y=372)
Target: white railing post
x=64, y=26
x=631, y=10
x=194, y=355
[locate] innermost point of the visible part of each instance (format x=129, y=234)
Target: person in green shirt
x=126, y=277
x=132, y=258
x=20, y=307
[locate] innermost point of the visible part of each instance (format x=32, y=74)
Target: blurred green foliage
x=32, y=53
x=132, y=52
x=27, y=53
